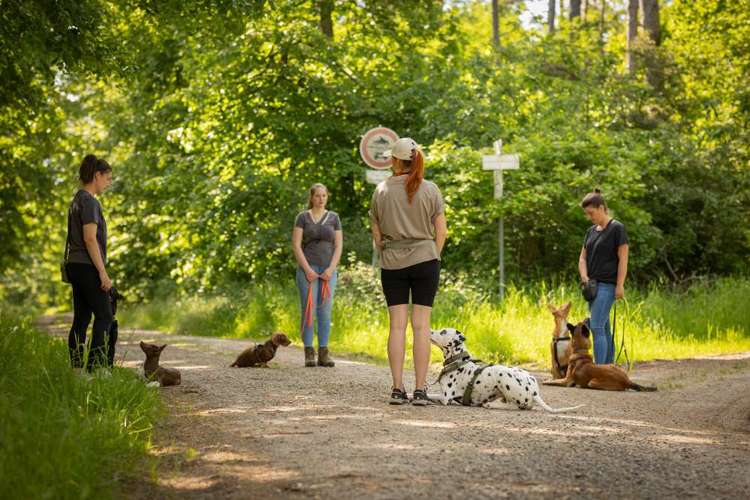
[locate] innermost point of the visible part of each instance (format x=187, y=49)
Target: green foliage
x=217, y=116
x=66, y=435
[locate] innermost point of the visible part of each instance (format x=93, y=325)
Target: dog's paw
x=154, y=383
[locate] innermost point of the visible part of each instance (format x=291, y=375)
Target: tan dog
x=584, y=373
x=560, y=340
x=261, y=354
x=152, y=370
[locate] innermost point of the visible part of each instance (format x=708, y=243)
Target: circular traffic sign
x=374, y=143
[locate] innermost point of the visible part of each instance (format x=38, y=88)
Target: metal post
x=500, y=226
x=497, y=163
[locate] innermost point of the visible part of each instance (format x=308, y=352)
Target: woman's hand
x=619, y=292
x=106, y=282
x=327, y=274
x=311, y=275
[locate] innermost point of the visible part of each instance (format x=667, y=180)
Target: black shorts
x=420, y=279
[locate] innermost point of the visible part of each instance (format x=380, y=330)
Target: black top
x=601, y=251
x=85, y=209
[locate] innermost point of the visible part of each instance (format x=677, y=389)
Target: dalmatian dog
x=460, y=383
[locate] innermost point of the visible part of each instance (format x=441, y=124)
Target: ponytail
x=89, y=166
x=416, y=173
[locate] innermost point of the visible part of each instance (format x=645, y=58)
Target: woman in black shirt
x=604, y=258
x=85, y=258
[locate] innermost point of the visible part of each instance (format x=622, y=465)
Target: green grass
x=659, y=323
x=63, y=435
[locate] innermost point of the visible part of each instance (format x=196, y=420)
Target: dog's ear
x=162, y=347
x=571, y=328
x=585, y=329
x=461, y=336
x=551, y=308
x=566, y=308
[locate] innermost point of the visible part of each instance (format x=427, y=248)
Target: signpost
x=497, y=163
x=374, y=143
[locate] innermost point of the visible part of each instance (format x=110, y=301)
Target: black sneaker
x=419, y=398
x=398, y=397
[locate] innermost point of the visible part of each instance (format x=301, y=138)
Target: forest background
x=218, y=115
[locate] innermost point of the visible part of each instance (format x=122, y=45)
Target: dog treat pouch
x=588, y=290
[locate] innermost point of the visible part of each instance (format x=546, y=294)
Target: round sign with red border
x=374, y=143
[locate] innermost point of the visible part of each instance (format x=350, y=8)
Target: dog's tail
x=548, y=408
x=639, y=388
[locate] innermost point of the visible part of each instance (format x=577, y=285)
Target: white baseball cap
x=403, y=149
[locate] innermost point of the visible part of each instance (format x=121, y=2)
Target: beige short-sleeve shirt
x=408, y=229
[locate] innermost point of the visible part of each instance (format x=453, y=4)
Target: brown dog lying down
x=154, y=372
x=584, y=373
x=261, y=354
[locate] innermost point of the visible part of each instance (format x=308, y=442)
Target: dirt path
x=295, y=432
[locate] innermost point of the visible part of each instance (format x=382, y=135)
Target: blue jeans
x=322, y=310
x=604, y=347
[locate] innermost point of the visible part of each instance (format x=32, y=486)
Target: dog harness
x=466, y=400
x=454, y=363
x=555, y=341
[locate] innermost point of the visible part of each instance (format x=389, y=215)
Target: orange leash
x=325, y=294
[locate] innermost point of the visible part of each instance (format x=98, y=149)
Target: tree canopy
x=217, y=116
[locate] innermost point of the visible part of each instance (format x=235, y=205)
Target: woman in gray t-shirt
x=317, y=241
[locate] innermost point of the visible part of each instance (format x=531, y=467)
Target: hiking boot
x=309, y=356
x=398, y=397
x=419, y=398
x=323, y=359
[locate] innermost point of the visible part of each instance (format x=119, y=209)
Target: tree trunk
x=326, y=17
x=495, y=25
x=575, y=9
x=585, y=9
x=654, y=64
x=650, y=12
x=601, y=24
x=551, y=16
x=632, y=34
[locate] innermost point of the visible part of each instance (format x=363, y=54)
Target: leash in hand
x=325, y=294
x=623, y=349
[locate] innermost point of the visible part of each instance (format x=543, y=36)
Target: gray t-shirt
x=85, y=209
x=318, y=238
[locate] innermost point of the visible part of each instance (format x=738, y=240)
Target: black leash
x=622, y=349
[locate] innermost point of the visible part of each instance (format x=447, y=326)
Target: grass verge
x=63, y=435
x=659, y=323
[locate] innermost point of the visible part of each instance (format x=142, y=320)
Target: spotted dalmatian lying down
x=459, y=381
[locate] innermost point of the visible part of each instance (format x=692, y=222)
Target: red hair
x=415, y=166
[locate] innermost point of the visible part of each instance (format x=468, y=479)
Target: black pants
x=88, y=298
x=421, y=280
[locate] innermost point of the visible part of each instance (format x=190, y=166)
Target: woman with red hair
x=409, y=230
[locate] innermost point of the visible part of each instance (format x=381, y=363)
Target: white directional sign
x=501, y=162
x=377, y=176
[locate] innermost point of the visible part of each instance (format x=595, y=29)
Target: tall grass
x=63, y=435
x=660, y=322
